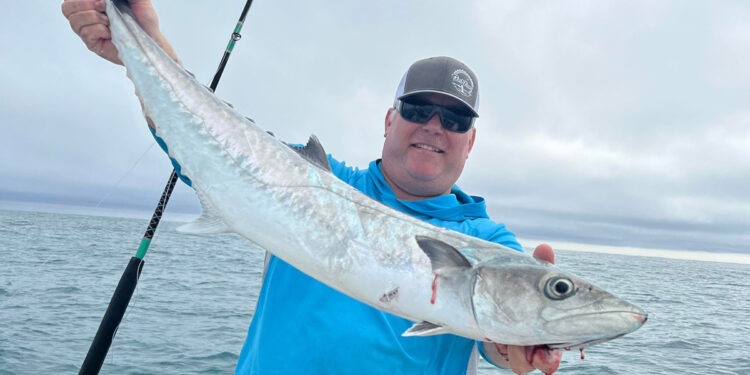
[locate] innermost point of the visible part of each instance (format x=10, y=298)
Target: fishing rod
x=129, y=279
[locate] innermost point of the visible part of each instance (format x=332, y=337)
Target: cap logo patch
x=462, y=82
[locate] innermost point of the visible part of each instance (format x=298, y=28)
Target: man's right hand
x=88, y=20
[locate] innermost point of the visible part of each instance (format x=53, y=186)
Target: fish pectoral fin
x=208, y=223
x=425, y=329
x=314, y=153
x=441, y=254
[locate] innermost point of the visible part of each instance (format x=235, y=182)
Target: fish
x=286, y=200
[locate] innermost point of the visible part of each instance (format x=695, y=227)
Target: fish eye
x=559, y=288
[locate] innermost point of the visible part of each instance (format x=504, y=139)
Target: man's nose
x=433, y=125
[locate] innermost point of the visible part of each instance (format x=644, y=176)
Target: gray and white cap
x=442, y=75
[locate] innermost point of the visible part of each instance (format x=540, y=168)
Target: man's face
x=424, y=160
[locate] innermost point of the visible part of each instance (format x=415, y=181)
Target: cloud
x=622, y=113
x=617, y=122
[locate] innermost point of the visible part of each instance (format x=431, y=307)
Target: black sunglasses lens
x=422, y=113
x=417, y=112
x=454, y=122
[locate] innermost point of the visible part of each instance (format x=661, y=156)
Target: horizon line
x=684, y=254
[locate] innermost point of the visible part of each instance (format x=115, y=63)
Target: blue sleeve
x=340, y=169
x=489, y=230
x=505, y=237
x=175, y=164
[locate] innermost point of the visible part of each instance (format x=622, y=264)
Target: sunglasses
x=421, y=113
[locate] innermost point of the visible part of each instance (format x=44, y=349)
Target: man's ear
x=388, y=119
x=471, y=141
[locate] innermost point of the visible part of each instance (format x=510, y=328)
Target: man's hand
x=88, y=20
x=523, y=359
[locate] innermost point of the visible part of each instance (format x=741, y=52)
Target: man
x=302, y=326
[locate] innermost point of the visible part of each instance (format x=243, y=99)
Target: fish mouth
x=424, y=146
x=640, y=318
x=583, y=344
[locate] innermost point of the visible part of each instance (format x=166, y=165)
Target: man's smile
x=427, y=147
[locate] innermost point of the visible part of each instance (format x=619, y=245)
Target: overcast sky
x=616, y=122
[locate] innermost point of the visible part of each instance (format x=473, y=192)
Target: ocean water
x=196, y=296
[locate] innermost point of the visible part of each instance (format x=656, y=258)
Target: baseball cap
x=441, y=75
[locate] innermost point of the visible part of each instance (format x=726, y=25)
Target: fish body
x=286, y=200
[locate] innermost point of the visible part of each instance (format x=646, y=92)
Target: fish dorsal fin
x=441, y=254
x=314, y=153
x=424, y=328
x=208, y=223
